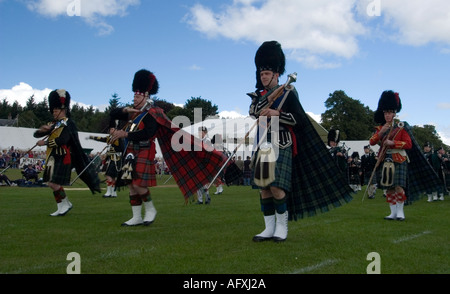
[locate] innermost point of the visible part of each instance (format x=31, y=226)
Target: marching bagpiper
x=64, y=152
x=113, y=162
x=439, y=162
x=338, y=153
x=302, y=180
x=368, y=161
x=192, y=168
x=405, y=172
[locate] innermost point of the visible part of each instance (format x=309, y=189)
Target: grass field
x=216, y=238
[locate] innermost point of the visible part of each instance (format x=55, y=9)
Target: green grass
x=214, y=239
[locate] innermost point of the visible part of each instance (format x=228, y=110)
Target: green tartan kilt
x=283, y=170
x=367, y=176
x=113, y=168
x=400, y=174
x=56, y=171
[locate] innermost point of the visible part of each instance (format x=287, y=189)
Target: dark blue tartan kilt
x=113, y=168
x=367, y=176
x=283, y=170
x=400, y=174
x=248, y=173
x=56, y=171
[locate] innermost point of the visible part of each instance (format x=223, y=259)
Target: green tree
x=177, y=111
x=42, y=112
x=208, y=109
x=427, y=133
x=30, y=104
x=349, y=116
x=166, y=106
x=28, y=119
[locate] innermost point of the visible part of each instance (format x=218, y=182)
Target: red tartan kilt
x=145, y=166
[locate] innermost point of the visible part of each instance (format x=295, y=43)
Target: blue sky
x=207, y=48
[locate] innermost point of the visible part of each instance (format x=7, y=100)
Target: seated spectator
x=2, y=161
x=30, y=173
x=39, y=166
x=4, y=178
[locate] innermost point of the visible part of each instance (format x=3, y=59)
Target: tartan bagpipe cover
x=190, y=168
x=80, y=161
x=421, y=175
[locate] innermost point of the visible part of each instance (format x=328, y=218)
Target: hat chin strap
x=268, y=85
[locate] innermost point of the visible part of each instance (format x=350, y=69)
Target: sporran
x=265, y=165
x=387, y=173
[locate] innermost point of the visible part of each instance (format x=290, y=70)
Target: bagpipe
x=388, y=168
x=232, y=171
x=53, y=128
x=110, y=141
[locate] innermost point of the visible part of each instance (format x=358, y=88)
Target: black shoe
x=127, y=225
x=278, y=239
x=261, y=238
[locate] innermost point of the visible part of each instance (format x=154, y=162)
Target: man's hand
x=269, y=112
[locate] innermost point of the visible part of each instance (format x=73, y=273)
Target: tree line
x=353, y=119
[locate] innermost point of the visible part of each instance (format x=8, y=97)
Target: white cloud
x=418, y=22
x=309, y=31
x=444, y=134
x=230, y=114
x=92, y=11
x=195, y=67
x=321, y=33
x=316, y=117
x=23, y=91
x=444, y=105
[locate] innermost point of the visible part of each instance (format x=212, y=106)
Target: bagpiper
x=112, y=162
x=293, y=169
x=64, y=152
x=338, y=153
x=405, y=173
x=368, y=161
x=190, y=164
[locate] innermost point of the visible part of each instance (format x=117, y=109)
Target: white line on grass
x=316, y=266
x=407, y=238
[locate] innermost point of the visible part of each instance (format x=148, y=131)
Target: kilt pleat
x=283, y=169
x=144, y=165
x=57, y=172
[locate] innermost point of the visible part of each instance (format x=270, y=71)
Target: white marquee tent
x=230, y=129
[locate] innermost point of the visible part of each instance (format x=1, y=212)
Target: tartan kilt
x=283, y=170
x=144, y=167
x=367, y=175
x=248, y=173
x=56, y=171
x=400, y=174
x=113, y=168
x=232, y=173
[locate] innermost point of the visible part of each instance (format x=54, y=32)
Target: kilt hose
x=190, y=168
